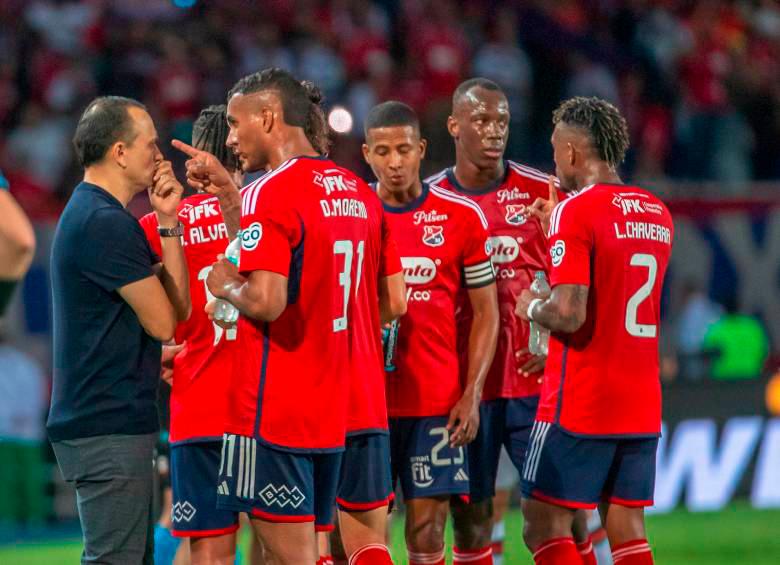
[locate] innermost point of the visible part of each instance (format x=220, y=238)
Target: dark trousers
x=113, y=476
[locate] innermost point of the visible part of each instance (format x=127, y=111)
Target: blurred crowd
x=698, y=80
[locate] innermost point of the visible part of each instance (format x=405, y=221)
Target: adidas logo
x=461, y=475
x=223, y=488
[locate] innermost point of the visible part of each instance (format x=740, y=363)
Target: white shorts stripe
x=253, y=469
x=531, y=444
x=240, y=482
x=534, y=465
x=231, y=445
x=222, y=457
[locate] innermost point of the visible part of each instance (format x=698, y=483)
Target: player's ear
x=452, y=127
x=268, y=117
x=423, y=147
x=571, y=153
x=366, y=152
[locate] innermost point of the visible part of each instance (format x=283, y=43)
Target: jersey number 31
x=347, y=248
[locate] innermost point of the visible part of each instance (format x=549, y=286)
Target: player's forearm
x=174, y=275
x=253, y=302
x=230, y=205
x=482, y=347
x=17, y=239
x=564, y=311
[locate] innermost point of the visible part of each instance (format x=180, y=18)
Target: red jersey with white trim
x=309, y=221
x=367, y=402
x=603, y=379
x=444, y=247
x=519, y=250
x=199, y=400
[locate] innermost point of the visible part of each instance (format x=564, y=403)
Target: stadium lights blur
x=340, y=120
x=184, y=3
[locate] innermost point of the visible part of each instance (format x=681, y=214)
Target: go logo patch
x=557, y=251
x=251, y=236
x=488, y=247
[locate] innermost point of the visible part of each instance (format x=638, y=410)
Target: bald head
x=469, y=89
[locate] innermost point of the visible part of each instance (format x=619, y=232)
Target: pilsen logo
x=507, y=195
x=432, y=216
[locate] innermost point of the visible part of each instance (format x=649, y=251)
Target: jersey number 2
x=632, y=326
x=347, y=248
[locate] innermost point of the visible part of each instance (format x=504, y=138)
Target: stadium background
x=697, y=81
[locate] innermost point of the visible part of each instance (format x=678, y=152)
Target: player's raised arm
x=205, y=172
x=564, y=311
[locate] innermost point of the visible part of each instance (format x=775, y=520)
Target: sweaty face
x=142, y=153
x=482, y=126
x=394, y=154
x=562, y=139
x=247, y=138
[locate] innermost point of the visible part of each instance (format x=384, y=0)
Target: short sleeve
x=390, y=260
x=570, y=244
x=477, y=266
x=116, y=252
x=149, y=225
x=270, y=229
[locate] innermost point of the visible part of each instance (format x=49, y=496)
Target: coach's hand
x=204, y=171
x=542, y=209
x=222, y=277
x=169, y=353
x=165, y=193
x=464, y=420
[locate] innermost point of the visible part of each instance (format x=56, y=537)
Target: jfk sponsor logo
x=206, y=209
x=422, y=216
x=636, y=205
x=433, y=236
x=183, y=512
x=332, y=180
x=508, y=195
x=281, y=496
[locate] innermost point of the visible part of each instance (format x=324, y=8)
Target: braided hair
x=301, y=103
x=210, y=132
x=602, y=122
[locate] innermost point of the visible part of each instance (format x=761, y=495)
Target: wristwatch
x=178, y=231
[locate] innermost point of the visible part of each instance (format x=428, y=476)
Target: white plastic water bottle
x=224, y=311
x=539, y=336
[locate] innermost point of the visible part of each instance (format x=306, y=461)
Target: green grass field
x=738, y=534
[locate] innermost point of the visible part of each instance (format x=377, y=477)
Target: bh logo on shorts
x=421, y=471
x=251, y=236
x=433, y=236
x=282, y=496
x=514, y=214
x=183, y=512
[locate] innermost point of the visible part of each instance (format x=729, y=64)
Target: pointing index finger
x=553, y=191
x=184, y=148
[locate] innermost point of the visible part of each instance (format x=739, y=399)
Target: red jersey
x=519, y=250
x=199, y=399
x=367, y=403
x=603, y=379
x=307, y=220
x=444, y=247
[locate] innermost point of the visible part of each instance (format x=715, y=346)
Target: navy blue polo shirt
x=106, y=367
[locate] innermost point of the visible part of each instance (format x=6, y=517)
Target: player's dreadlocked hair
x=210, y=132
x=300, y=102
x=603, y=123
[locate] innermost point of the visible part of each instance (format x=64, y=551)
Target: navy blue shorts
x=580, y=472
x=423, y=460
x=503, y=421
x=365, y=482
x=194, y=472
x=275, y=485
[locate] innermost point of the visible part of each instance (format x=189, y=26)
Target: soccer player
x=444, y=245
x=596, y=431
x=308, y=246
x=199, y=397
x=503, y=189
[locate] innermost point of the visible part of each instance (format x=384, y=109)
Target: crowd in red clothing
x=696, y=79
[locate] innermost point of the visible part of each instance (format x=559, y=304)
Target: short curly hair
x=603, y=123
